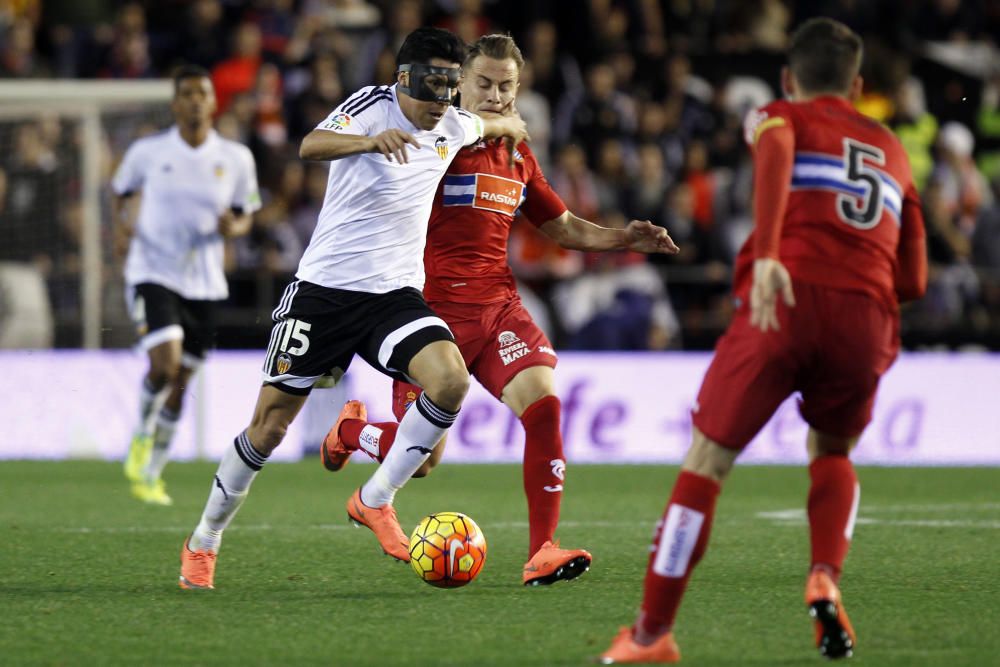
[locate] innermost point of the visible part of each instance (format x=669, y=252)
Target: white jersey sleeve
x=246, y=195
x=131, y=173
x=472, y=125
x=348, y=118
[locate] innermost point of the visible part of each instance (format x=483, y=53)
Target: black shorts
x=160, y=314
x=318, y=330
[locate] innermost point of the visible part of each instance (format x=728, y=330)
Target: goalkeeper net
x=60, y=281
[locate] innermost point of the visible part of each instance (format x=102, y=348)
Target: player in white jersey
x=358, y=287
x=197, y=190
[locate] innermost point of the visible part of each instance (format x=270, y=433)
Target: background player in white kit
x=358, y=287
x=197, y=189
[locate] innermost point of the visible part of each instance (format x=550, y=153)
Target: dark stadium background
x=635, y=107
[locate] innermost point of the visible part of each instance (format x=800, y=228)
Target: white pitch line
x=798, y=517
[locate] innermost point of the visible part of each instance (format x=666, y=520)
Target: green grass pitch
x=90, y=576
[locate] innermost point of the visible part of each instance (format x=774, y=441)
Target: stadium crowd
x=633, y=106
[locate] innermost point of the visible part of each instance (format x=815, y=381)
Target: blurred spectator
x=77, y=31
x=536, y=112
x=467, y=20
x=12, y=10
x=129, y=56
x=988, y=125
x=18, y=57
x=555, y=74
x=646, y=193
x=238, y=73
x=612, y=174
x=916, y=128
x=30, y=215
x=353, y=26
x=321, y=95
x=964, y=191
x=600, y=112
x=273, y=246
x=753, y=24
x=306, y=213
x=685, y=102
x=202, y=39
x=404, y=18
x=944, y=20
x=620, y=303
x=276, y=20
x=986, y=258
x=268, y=100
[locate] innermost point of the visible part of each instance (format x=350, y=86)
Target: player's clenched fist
x=392, y=144
x=644, y=236
x=511, y=128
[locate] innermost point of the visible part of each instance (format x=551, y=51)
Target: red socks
x=375, y=440
x=682, y=535
x=833, y=505
x=680, y=542
x=544, y=469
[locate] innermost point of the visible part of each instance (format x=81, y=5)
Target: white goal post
x=86, y=102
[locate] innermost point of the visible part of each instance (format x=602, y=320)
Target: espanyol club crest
x=507, y=338
x=441, y=146
x=283, y=363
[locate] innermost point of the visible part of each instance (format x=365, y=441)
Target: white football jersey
x=184, y=191
x=373, y=225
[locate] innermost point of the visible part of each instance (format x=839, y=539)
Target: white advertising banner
x=932, y=409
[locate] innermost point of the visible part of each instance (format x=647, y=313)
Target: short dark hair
x=425, y=43
x=189, y=72
x=496, y=46
x=824, y=56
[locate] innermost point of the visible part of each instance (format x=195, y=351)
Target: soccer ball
x=447, y=549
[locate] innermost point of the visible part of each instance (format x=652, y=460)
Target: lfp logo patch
x=340, y=121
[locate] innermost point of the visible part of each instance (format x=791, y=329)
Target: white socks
x=419, y=432
x=150, y=402
x=238, y=467
x=166, y=424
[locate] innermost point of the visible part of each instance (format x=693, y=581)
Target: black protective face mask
x=433, y=84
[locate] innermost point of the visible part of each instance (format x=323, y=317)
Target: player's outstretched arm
x=326, y=145
x=575, y=233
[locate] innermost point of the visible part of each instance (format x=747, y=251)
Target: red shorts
x=833, y=347
x=497, y=341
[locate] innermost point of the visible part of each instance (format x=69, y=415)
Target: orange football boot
x=624, y=650
x=834, y=635
x=197, y=568
x=334, y=453
x=383, y=522
x=551, y=564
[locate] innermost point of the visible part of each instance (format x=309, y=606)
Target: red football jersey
x=466, y=254
x=849, y=197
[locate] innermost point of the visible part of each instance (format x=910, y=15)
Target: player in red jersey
x=471, y=287
x=838, y=244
